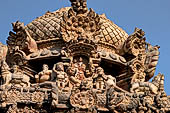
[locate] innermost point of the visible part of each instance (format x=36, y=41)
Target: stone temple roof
x=74, y=60
x=49, y=26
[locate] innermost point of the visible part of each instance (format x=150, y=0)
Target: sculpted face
x=45, y=67
x=60, y=67
x=71, y=71
x=15, y=68
x=99, y=71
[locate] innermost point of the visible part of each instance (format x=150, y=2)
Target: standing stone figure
x=5, y=73
x=61, y=76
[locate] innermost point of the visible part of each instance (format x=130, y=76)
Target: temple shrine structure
x=74, y=60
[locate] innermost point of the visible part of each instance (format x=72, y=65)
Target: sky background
x=153, y=16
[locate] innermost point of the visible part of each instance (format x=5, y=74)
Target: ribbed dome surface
x=48, y=27
x=111, y=33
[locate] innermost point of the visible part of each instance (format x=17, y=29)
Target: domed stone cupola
x=75, y=31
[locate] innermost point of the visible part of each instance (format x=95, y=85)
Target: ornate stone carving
x=21, y=39
x=44, y=75
x=90, y=65
x=151, y=61
x=5, y=73
x=80, y=24
x=19, y=79
x=83, y=99
x=61, y=76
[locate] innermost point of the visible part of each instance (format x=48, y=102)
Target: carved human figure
x=76, y=72
x=61, y=76
x=19, y=79
x=5, y=73
x=151, y=87
x=81, y=69
x=44, y=75
x=73, y=80
x=99, y=78
x=111, y=81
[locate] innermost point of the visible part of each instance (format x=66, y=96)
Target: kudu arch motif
x=74, y=60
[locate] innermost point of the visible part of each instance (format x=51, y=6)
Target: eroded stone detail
x=76, y=61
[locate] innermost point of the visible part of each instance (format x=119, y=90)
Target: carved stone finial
x=79, y=6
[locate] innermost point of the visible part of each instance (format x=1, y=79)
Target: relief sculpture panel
x=79, y=62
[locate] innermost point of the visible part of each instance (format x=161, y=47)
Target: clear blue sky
x=153, y=16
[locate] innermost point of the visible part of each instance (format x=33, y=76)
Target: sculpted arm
x=37, y=77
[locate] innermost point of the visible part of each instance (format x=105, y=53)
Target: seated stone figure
x=101, y=80
x=44, y=75
x=61, y=76
x=18, y=78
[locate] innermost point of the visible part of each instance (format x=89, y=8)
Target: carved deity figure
x=44, y=75
x=19, y=79
x=80, y=69
x=111, y=81
x=99, y=79
x=76, y=72
x=61, y=76
x=73, y=80
x=5, y=73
